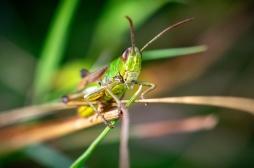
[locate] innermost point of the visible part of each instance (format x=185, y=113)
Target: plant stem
x=80, y=161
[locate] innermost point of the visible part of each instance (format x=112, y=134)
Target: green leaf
x=53, y=48
x=173, y=52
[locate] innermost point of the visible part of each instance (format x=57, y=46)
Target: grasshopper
x=108, y=85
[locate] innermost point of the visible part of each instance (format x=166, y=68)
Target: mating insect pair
x=107, y=86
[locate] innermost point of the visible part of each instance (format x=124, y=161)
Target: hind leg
x=99, y=111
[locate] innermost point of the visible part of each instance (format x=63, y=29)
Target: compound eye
x=126, y=54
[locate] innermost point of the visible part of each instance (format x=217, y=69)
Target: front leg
x=98, y=111
x=151, y=87
x=116, y=99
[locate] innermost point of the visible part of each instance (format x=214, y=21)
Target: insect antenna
x=132, y=33
x=164, y=31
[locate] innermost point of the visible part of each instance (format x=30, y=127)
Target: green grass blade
x=81, y=160
x=79, y=163
x=53, y=48
x=173, y=52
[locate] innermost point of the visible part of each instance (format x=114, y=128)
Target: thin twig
x=237, y=103
x=30, y=112
x=21, y=136
x=142, y=130
x=16, y=137
x=124, y=138
x=161, y=128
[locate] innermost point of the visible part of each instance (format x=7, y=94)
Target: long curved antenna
x=132, y=33
x=164, y=31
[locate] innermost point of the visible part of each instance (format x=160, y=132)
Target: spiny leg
x=117, y=100
x=98, y=112
x=151, y=87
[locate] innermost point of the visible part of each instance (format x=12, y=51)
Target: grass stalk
x=53, y=48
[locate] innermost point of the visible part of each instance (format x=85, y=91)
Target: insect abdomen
x=85, y=111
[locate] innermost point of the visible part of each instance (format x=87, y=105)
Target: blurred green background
x=96, y=34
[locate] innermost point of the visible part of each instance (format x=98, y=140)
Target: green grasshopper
x=108, y=85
